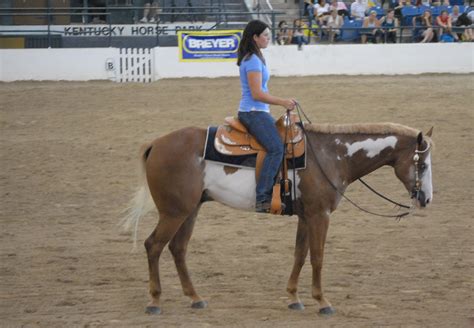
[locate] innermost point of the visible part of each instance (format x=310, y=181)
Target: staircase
x=290, y=8
x=233, y=6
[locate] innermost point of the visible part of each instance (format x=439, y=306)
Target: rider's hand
x=289, y=104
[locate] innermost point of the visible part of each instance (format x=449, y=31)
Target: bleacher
x=85, y=23
x=351, y=29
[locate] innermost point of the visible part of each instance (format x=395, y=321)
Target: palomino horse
x=180, y=180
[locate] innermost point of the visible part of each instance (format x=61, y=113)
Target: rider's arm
x=255, y=84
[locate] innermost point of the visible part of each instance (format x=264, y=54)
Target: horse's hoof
x=152, y=310
x=296, y=306
x=327, y=311
x=199, y=305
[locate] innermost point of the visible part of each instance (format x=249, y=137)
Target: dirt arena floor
x=68, y=169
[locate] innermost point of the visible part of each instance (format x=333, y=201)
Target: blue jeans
x=261, y=125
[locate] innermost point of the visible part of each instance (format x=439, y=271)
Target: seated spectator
x=425, y=22
x=462, y=20
x=398, y=8
x=298, y=34
x=150, y=12
x=340, y=7
x=446, y=27
x=425, y=3
x=321, y=8
x=390, y=25
x=283, y=34
x=333, y=23
x=372, y=28
x=358, y=10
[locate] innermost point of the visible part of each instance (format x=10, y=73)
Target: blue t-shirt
x=247, y=103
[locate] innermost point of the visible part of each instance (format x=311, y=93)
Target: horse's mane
x=368, y=128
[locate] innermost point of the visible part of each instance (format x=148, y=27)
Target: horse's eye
x=422, y=166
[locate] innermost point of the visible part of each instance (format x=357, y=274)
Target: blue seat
x=408, y=12
x=350, y=30
x=456, y=2
x=422, y=9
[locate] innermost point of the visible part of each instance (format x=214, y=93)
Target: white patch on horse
x=220, y=147
x=426, y=180
x=371, y=146
x=338, y=142
x=338, y=157
x=236, y=190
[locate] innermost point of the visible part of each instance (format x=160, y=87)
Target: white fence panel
x=136, y=65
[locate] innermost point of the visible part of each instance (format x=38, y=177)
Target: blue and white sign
x=208, y=46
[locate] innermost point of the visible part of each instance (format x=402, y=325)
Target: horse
x=179, y=180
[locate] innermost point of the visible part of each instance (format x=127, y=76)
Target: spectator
x=309, y=10
x=150, y=12
x=372, y=28
x=390, y=25
x=426, y=23
x=462, y=20
x=398, y=8
x=321, y=8
x=298, y=34
x=358, y=10
x=340, y=7
x=425, y=3
x=283, y=34
x=446, y=27
x=333, y=23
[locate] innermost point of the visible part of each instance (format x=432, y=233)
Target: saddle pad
x=211, y=154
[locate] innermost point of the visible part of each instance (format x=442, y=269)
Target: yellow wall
x=12, y=43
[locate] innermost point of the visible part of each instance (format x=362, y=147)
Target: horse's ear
x=419, y=138
x=430, y=132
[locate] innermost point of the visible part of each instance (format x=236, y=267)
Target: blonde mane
x=368, y=128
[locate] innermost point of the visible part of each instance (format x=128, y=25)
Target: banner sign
x=104, y=30
x=209, y=46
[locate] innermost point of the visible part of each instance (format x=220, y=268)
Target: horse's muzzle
x=421, y=200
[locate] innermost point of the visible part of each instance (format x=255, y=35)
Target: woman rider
x=254, y=111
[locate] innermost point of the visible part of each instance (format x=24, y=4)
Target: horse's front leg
x=301, y=251
x=318, y=225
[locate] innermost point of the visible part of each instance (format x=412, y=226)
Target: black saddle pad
x=211, y=154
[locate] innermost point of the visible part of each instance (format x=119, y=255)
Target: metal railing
x=320, y=34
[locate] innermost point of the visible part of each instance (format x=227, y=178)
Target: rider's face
x=263, y=39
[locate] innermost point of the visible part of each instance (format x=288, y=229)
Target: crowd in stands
x=368, y=21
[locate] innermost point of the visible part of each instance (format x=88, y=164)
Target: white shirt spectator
x=320, y=10
x=358, y=9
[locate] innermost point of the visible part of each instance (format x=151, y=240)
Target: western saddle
x=233, y=139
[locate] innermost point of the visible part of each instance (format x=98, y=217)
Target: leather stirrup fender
x=275, y=206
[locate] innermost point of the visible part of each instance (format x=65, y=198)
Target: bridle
x=416, y=159
x=415, y=192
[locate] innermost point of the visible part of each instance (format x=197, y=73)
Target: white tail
x=141, y=204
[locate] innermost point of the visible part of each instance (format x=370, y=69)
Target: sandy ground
x=68, y=169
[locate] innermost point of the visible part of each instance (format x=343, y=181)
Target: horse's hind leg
x=301, y=251
x=154, y=244
x=178, y=247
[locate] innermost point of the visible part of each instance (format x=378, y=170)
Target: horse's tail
x=142, y=202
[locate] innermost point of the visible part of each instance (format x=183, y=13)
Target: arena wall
x=389, y=59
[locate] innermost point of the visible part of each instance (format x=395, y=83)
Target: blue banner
x=208, y=46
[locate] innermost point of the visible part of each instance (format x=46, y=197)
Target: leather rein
x=415, y=192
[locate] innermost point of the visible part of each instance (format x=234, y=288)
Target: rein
x=300, y=111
